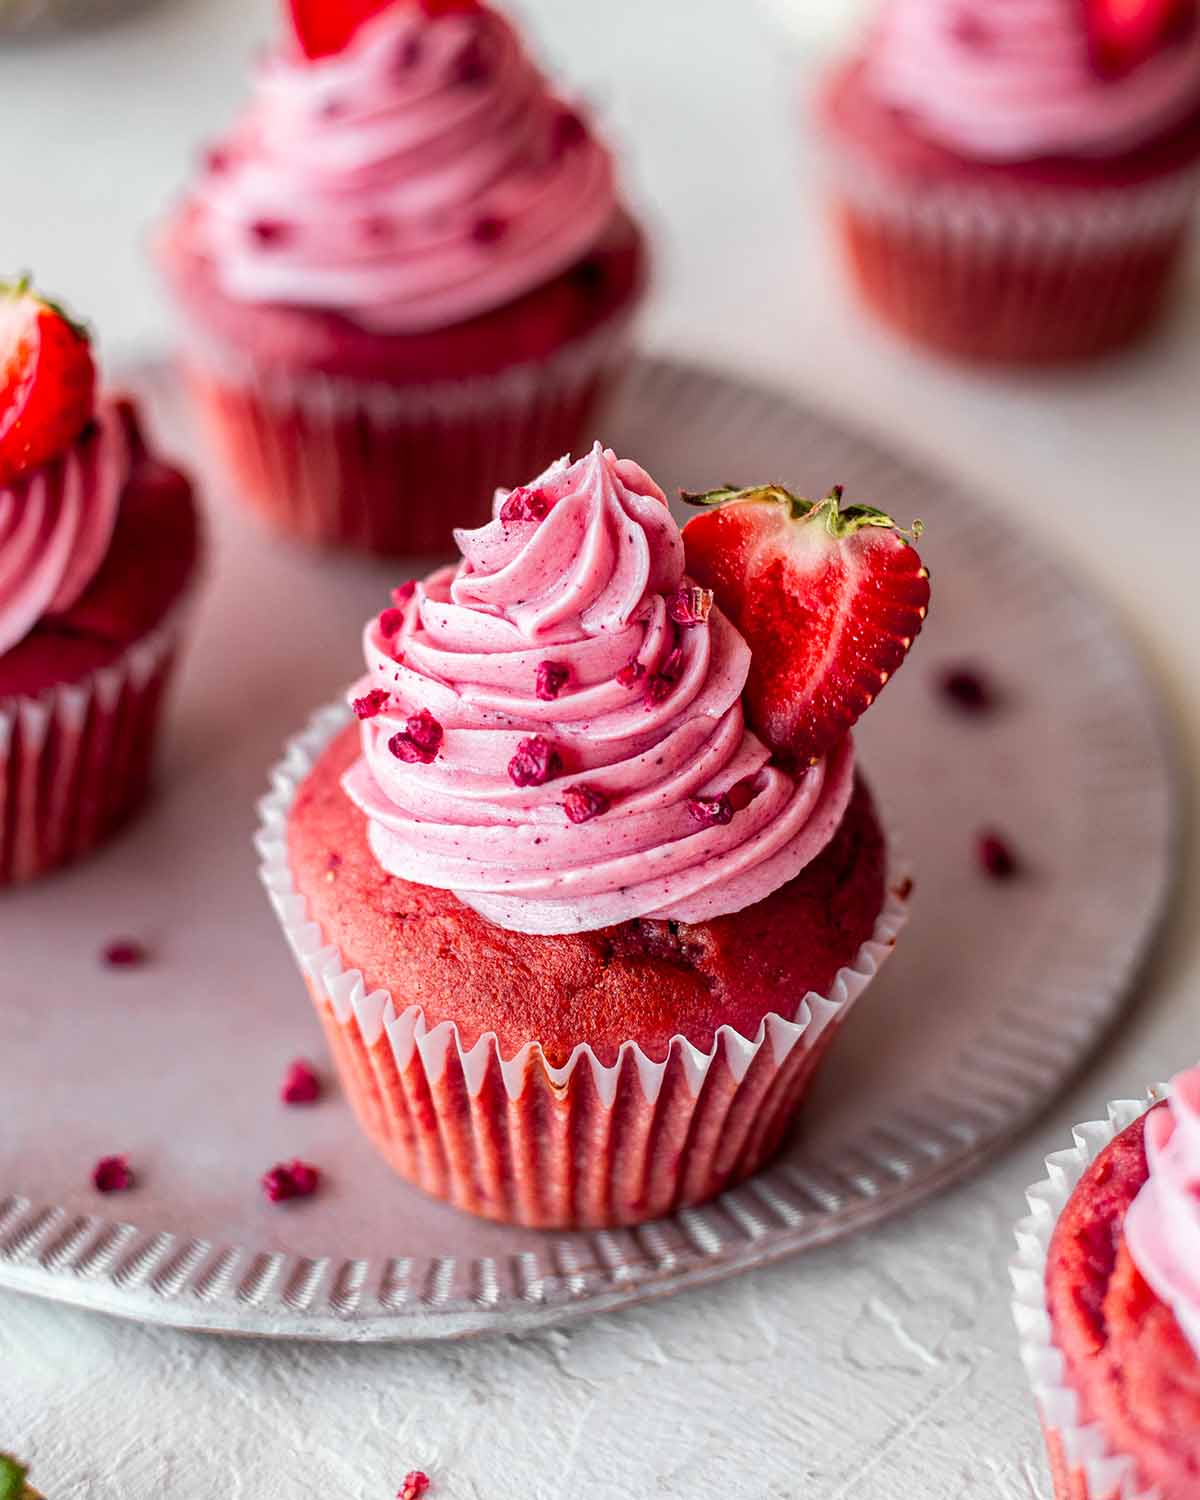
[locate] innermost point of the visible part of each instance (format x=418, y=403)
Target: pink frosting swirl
x=1017, y=81
x=56, y=525
x=576, y=629
x=421, y=177
x=1162, y=1227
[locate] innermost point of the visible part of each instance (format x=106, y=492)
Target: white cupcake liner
x=724, y=1120
x=390, y=468
x=1093, y=1469
x=75, y=759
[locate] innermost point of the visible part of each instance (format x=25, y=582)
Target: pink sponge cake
x=1017, y=182
x=578, y=933
x=1123, y=1296
x=405, y=278
x=98, y=547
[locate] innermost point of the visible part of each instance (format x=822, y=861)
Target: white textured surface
x=884, y=1367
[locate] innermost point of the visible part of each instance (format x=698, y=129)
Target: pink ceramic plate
x=995, y=995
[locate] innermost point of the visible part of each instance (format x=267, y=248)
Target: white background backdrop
x=883, y=1367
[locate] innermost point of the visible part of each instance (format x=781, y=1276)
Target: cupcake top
x=64, y=463
x=421, y=175
x=1162, y=1227
x=1027, y=79
x=555, y=731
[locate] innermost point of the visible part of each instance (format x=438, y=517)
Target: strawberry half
x=326, y=27
x=828, y=599
x=47, y=381
x=1123, y=34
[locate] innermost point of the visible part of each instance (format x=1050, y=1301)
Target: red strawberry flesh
x=326, y=27
x=1126, y=33
x=47, y=382
x=828, y=598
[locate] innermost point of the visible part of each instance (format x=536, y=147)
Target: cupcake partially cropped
x=98, y=548
x=1018, y=182
x=578, y=934
x=1108, y=1303
x=407, y=277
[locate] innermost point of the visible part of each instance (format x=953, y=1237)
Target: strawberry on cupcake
x=405, y=278
x=591, y=880
x=1018, y=182
x=98, y=545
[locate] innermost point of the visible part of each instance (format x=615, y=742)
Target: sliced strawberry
x=47, y=381
x=828, y=599
x=326, y=27
x=1126, y=33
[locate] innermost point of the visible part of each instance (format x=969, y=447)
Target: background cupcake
x=1017, y=182
x=98, y=545
x=405, y=279
x=578, y=937
x=1108, y=1303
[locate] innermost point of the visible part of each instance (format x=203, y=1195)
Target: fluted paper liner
x=587, y=1144
x=386, y=467
x=75, y=760
x=1084, y=1463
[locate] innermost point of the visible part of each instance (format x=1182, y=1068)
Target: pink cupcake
x=98, y=549
x=1018, y=182
x=1108, y=1303
x=579, y=937
x=405, y=279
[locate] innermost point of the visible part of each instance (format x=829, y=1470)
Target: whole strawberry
x=828, y=599
x=326, y=27
x=1126, y=33
x=47, y=381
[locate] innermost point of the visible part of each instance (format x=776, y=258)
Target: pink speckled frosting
x=1014, y=80
x=421, y=177
x=56, y=525
x=1162, y=1227
x=650, y=718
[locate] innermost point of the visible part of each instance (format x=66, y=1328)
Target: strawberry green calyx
x=12, y=1478
x=840, y=521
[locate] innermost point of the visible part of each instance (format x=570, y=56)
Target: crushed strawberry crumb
x=691, y=605
x=535, y=762
x=583, y=803
x=471, y=66
x=125, y=953
x=112, y=1174
x=631, y=673
x=419, y=741
x=403, y=592
x=416, y=1484
x=525, y=505
x=371, y=704
x=269, y=233
x=552, y=677
x=968, y=689
x=996, y=856
x=390, y=622
x=293, y=1179
x=489, y=229
x=711, y=812
x=300, y=1084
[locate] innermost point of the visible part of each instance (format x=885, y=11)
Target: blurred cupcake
x=407, y=277
x=1108, y=1303
x=578, y=938
x=1018, y=182
x=98, y=546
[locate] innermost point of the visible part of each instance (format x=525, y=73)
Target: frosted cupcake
x=98, y=549
x=405, y=279
x=578, y=934
x=1108, y=1304
x=1017, y=182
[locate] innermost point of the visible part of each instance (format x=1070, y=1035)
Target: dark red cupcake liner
x=586, y=1145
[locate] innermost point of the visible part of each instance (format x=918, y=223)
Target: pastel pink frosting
x=1016, y=81
x=1162, y=1227
x=588, y=589
x=425, y=175
x=56, y=525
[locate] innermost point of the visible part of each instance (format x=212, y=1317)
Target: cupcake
x=1108, y=1303
x=98, y=547
x=579, y=935
x=1017, y=182
x=405, y=279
